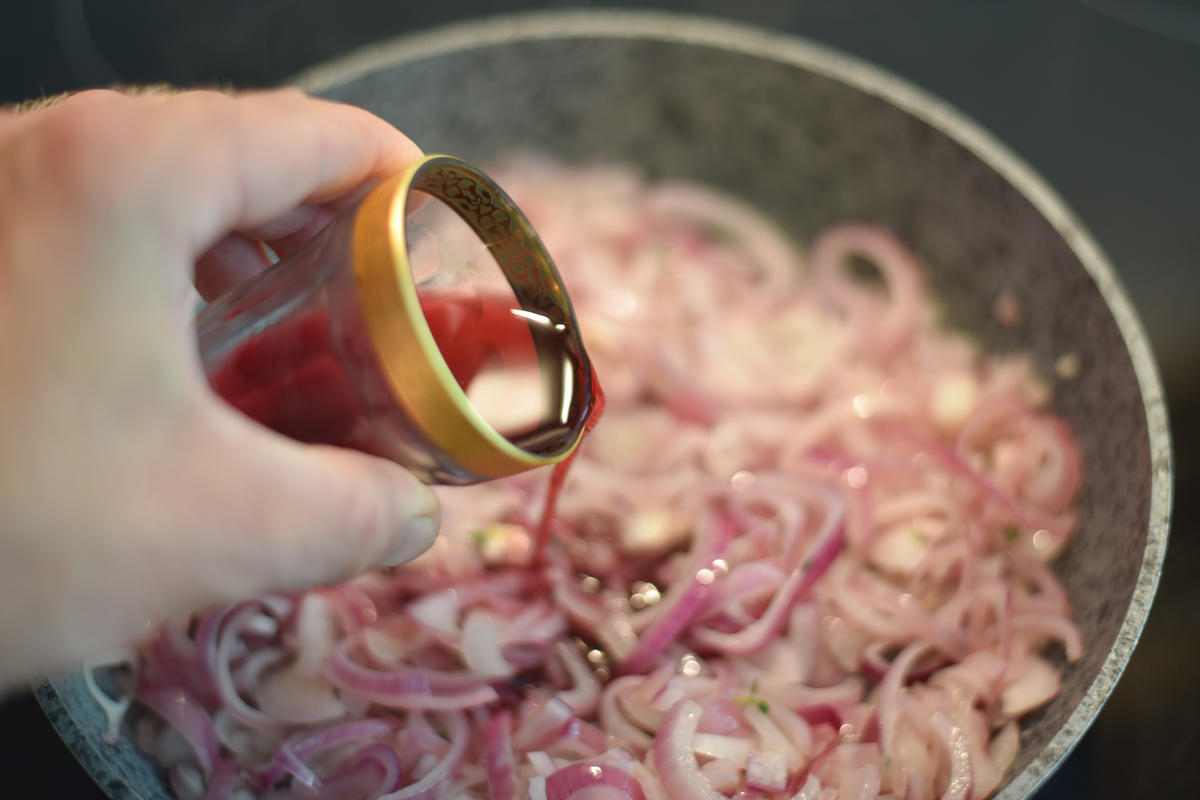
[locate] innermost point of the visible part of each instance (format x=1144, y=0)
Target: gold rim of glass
x=415, y=370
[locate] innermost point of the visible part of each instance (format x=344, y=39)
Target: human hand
x=129, y=492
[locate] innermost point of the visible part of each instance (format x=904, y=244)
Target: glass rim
x=413, y=366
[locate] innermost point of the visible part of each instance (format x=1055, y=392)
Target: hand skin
x=129, y=492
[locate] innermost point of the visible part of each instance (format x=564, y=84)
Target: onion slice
x=820, y=556
x=685, y=601
x=409, y=689
x=373, y=771
x=674, y=758
x=428, y=787
x=542, y=726
x=114, y=709
x=290, y=755
x=187, y=716
x=958, y=787
x=582, y=779
x=585, y=694
x=498, y=757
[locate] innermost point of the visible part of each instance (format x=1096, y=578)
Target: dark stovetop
x=1098, y=95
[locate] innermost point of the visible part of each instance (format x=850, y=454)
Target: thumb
x=278, y=515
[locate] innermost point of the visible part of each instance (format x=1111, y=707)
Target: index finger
x=239, y=161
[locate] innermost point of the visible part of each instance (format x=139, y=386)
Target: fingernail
x=415, y=538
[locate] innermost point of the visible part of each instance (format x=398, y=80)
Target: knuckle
x=82, y=142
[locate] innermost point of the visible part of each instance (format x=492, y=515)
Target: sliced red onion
x=524, y=657
x=770, y=738
x=481, y=647
x=956, y=465
x=222, y=780
x=818, y=762
x=888, y=700
x=437, y=611
x=899, y=607
x=862, y=615
x=767, y=772
x=206, y=649
x=542, y=764
x=236, y=737
x=1056, y=627
x=419, y=745
x=584, y=610
x=410, y=689
x=856, y=753
x=829, y=504
x=734, y=749
x=354, y=607
x=1037, y=684
x=801, y=643
x=884, y=334
x=374, y=771
x=987, y=774
x=542, y=726
x=771, y=252
x=811, y=790
x=114, y=710
x=186, y=781
x=256, y=662
x=539, y=624
x=295, y=696
x=746, y=584
x=720, y=715
x=959, y=785
x=452, y=682
x=613, y=718
x=1047, y=593
x=688, y=598
x=825, y=547
x=580, y=781
x=679, y=390
x=582, y=740
x=290, y=755
x=279, y=606
x=875, y=665
x=498, y=757
x=655, y=640
x=797, y=732
x=173, y=659
x=187, y=716
x=617, y=636
x=375, y=641
x=428, y=787
x=722, y=775
x=355, y=677
x=315, y=634
x=639, y=704
x=302, y=775
x=840, y=696
x=860, y=783
x=585, y=694
x=452, y=702
x=823, y=714
x=674, y=758
x=246, y=619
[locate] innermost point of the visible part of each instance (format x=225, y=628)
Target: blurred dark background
x=1102, y=97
